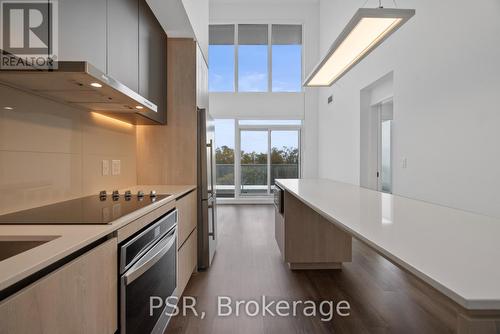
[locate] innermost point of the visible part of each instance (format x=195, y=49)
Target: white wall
x=183, y=19
x=197, y=11
x=282, y=105
x=446, y=112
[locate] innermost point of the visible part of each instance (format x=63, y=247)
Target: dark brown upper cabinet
x=152, y=61
x=82, y=33
x=123, y=46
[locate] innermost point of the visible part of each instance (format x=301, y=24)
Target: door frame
x=380, y=118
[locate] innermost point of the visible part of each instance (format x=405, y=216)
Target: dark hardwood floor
x=247, y=265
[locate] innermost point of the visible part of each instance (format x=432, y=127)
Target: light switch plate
x=404, y=163
x=105, y=167
x=116, y=167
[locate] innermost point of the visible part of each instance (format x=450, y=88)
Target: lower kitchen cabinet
x=188, y=216
x=188, y=260
x=187, y=239
x=79, y=297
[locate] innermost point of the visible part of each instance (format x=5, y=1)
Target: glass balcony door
x=254, y=162
x=267, y=153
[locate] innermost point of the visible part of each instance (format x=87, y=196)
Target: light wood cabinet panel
x=167, y=154
x=310, y=241
x=187, y=257
x=79, y=297
x=187, y=216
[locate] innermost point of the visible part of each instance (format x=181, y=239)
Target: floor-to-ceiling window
x=255, y=59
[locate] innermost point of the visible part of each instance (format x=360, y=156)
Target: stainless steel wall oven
x=148, y=268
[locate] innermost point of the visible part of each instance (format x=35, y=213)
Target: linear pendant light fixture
x=368, y=28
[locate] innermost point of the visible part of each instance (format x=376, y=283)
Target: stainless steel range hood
x=82, y=85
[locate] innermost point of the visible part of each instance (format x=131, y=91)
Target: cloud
x=252, y=82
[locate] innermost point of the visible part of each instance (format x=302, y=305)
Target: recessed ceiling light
x=139, y=107
x=8, y=108
x=96, y=85
x=367, y=29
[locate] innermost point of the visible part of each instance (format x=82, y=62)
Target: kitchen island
x=454, y=251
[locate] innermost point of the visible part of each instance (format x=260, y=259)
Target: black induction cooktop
x=85, y=210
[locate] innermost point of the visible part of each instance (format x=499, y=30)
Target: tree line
x=284, y=155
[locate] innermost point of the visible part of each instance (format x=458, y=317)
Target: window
x=261, y=49
x=261, y=151
x=286, y=58
x=224, y=157
x=252, y=58
x=221, y=60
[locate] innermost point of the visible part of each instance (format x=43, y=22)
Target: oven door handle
x=151, y=257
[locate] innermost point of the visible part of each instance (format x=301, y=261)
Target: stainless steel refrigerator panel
x=207, y=217
x=203, y=179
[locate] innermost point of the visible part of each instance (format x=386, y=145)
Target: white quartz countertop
x=67, y=239
x=455, y=251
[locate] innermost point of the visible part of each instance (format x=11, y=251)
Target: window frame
x=269, y=24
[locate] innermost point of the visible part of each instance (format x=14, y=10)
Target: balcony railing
x=253, y=177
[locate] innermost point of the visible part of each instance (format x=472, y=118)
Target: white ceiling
x=261, y=1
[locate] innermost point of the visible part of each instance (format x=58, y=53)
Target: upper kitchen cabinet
x=123, y=46
x=152, y=61
x=81, y=38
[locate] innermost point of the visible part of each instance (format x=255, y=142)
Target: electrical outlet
x=404, y=163
x=105, y=167
x=116, y=167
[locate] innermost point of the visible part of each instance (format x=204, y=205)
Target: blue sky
x=252, y=68
x=253, y=77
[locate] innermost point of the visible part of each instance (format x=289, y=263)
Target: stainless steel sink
x=12, y=245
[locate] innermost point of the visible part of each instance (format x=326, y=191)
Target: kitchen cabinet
x=152, y=61
x=123, y=46
x=187, y=257
x=188, y=217
x=187, y=253
x=81, y=38
x=307, y=240
x=168, y=154
x=79, y=297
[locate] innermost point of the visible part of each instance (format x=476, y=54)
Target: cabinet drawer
x=79, y=297
x=188, y=216
x=187, y=261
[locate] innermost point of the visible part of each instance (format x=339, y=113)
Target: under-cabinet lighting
x=367, y=29
x=96, y=85
x=139, y=107
x=8, y=108
x=109, y=120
